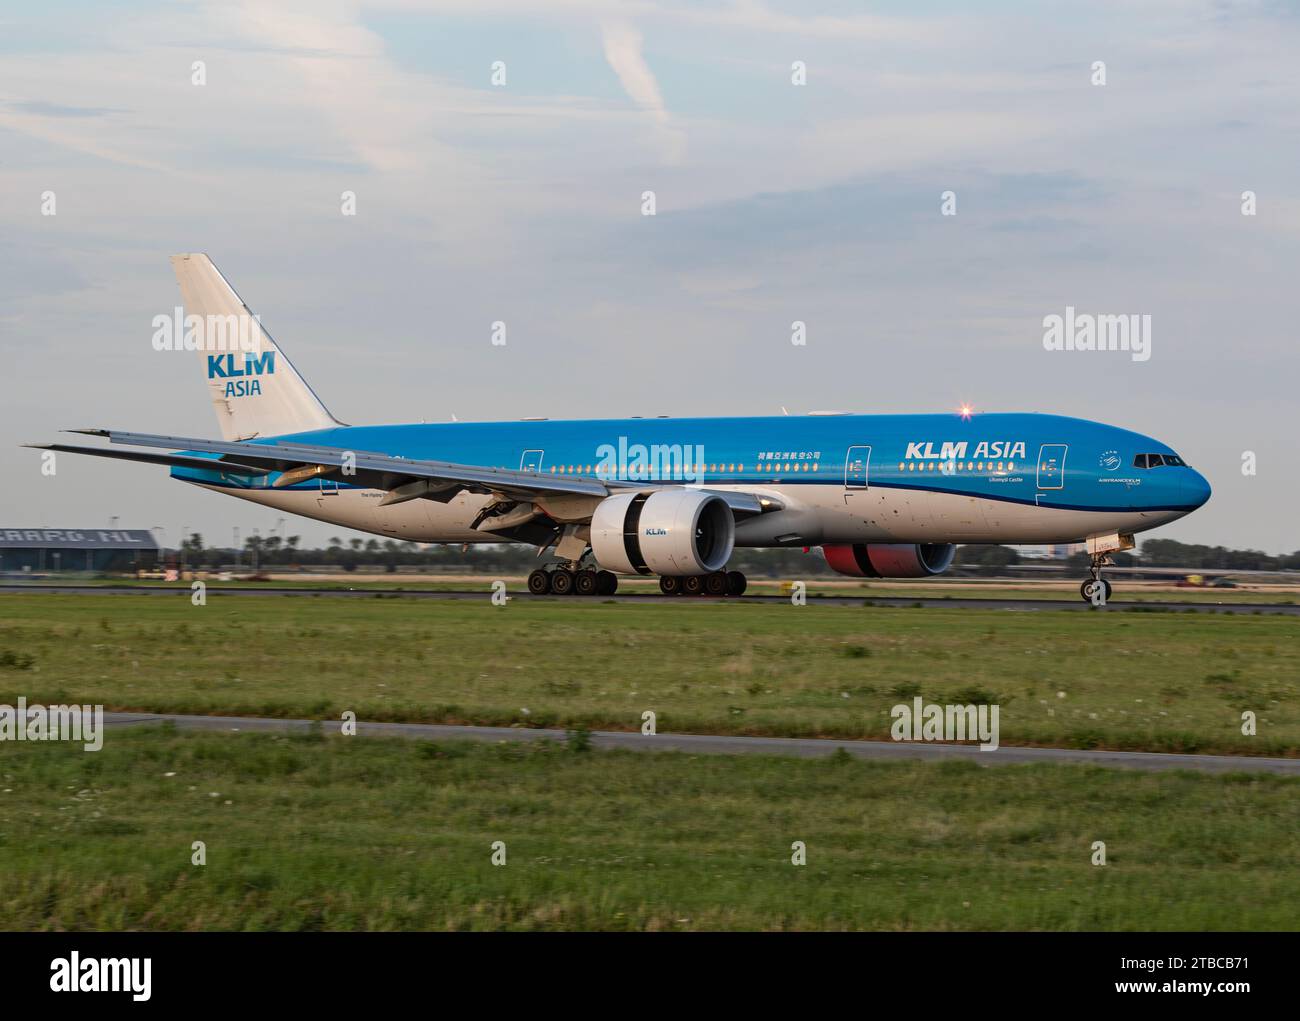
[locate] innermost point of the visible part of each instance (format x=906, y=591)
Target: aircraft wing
x=178, y=460
x=402, y=478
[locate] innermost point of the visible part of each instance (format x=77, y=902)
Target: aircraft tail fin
x=255, y=389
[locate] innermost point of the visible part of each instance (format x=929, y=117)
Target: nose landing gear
x=1096, y=590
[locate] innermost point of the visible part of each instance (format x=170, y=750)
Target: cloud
x=623, y=51
x=43, y=109
x=520, y=204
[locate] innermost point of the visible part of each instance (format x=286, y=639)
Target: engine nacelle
x=890, y=560
x=669, y=531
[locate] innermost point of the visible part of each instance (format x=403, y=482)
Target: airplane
x=883, y=496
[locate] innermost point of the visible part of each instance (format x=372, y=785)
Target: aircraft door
x=326, y=488
x=1051, y=465
x=856, y=466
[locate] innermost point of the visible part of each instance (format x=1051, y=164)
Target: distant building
x=26, y=550
x=1060, y=551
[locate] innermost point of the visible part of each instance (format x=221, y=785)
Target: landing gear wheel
x=606, y=583
x=670, y=585
x=584, y=583
x=561, y=581
x=736, y=583
x=1089, y=587
x=539, y=582
x=716, y=584
x=692, y=584
x=1097, y=585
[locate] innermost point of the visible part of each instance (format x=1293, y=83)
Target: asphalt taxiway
x=706, y=744
x=951, y=603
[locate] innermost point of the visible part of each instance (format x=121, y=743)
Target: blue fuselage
x=1044, y=461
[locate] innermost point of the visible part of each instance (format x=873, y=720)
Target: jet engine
x=669, y=531
x=890, y=560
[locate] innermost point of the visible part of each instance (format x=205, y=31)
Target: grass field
x=309, y=832
x=1133, y=680
x=1126, y=591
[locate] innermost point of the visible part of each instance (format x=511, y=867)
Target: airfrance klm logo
x=241, y=377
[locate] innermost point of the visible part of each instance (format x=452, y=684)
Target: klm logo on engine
x=984, y=449
x=242, y=377
x=656, y=531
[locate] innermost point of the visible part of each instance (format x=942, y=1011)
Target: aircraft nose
x=1196, y=489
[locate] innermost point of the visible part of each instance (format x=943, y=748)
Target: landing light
x=966, y=411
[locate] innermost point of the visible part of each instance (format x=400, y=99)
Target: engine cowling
x=890, y=560
x=670, y=531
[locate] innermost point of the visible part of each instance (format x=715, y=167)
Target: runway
x=705, y=744
x=953, y=603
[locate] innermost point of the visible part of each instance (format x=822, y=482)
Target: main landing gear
x=563, y=581
x=588, y=581
x=1096, y=590
x=719, y=583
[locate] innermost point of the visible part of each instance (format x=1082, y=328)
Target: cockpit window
x=1156, y=460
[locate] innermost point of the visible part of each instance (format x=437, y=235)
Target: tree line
x=389, y=554
x=1151, y=553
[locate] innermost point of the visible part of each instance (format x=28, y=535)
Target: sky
x=480, y=200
